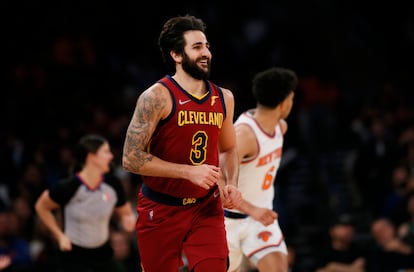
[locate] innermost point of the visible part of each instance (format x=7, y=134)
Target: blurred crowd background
x=76, y=67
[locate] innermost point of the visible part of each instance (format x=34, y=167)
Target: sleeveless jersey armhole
x=167, y=84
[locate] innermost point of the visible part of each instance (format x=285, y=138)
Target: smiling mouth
x=204, y=63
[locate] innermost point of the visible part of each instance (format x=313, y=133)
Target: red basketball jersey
x=189, y=135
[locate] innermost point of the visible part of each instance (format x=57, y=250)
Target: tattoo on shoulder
x=146, y=116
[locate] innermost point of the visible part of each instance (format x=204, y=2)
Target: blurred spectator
x=316, y=115
x=372, y=167
x=343, y=252
x=388, y=253
x=17, y=248
x=32, y=183
x=43, y=247
x=12, y=153
x=59, y=163
x=5, y=261
x=25, y=215
x=410, y=184
x=394, y=205
x=406, y=228
x=125, y=251
x=409, y=158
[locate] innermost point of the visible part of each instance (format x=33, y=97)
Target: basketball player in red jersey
x=181, y=125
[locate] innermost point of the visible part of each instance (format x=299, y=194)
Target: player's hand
x=128, y=222
x=64, y=243
x=358, y=265
x=5, y=261
x=205, y=176
x=263, y=215
x=231, y=197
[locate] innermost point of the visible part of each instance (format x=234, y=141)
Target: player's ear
x=176, y=56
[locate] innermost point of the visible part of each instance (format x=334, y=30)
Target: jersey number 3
x=199, y=147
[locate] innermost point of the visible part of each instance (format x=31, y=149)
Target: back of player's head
x=270, y=87
x=172, y=35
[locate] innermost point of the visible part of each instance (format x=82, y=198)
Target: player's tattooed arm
x=149, y=110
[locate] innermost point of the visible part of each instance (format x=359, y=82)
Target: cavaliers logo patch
x=264, y=235
x=213, y=99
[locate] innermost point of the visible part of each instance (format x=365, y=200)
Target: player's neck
x=91, y=176
x=196, y=87
x=267, y=119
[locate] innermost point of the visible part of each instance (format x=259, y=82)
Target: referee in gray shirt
x=87, y=200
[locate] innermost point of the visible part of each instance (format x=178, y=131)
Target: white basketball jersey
x=257, y=174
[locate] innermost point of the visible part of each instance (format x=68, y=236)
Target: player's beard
x=191, y=68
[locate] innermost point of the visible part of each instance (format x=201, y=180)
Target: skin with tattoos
x=152, y=107
x=181, y=141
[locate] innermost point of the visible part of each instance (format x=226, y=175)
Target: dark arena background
x=75, y=67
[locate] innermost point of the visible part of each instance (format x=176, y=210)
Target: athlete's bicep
x=143, y=121
x=246, y=142
x=227, y=134
x=152, y=105
x=45, y=202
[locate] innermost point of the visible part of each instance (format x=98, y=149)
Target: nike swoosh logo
x=183, y=102
x=216, y=194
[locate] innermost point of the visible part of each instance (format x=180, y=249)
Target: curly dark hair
x=272, y=86
x=172, y=35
